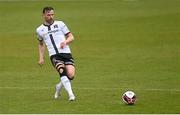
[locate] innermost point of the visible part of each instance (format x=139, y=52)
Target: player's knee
x=71, y=75
x=60, y=67
x=61, y=70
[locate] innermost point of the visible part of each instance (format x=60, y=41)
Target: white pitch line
x=91, y=88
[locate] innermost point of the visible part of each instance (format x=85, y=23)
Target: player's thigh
x=70, y=70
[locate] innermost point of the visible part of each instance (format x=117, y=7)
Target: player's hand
x=41, y=62
x=63, y=44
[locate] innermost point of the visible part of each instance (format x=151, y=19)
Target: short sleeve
x=64, y=28
x=39, y=37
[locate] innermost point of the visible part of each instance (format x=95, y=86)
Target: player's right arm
x=41, y=46
x=41, y=52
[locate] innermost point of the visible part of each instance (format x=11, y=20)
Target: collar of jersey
x=48, y=25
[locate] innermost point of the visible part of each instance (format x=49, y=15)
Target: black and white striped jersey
x=53, y=35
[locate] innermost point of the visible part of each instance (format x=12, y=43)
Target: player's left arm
x=69, y=38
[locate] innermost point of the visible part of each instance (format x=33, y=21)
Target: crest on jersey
x=55, y=26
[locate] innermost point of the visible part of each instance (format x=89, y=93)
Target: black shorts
x=65, y=58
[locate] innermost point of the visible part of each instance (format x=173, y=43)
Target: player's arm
x=41, y=47
x=69, y=39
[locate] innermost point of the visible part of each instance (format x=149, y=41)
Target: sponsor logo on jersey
x=50, y=32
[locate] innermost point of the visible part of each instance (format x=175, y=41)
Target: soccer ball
x=129, y=97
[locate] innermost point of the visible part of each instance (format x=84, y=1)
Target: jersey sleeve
x=39, y=37
x=64, y=28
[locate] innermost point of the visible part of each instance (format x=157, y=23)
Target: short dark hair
x=47, y=8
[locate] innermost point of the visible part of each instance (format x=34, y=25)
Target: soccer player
x=57, y=37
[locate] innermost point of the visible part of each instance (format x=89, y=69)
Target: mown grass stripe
x=89, y=88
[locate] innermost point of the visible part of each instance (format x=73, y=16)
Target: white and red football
x=129, y=97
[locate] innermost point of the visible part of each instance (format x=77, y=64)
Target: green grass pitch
x=119, y=45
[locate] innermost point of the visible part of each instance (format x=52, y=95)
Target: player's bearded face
x=49, y=16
